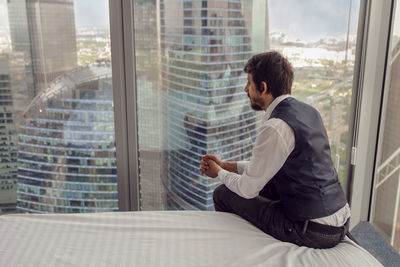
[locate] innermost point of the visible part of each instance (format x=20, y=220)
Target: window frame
x=369, y=106
x=124, y=89
x=385, y=94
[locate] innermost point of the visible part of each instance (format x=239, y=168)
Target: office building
x=148, y=88
x=204, y=47
x=67, y=146
x=45, y=32
x=8, y=139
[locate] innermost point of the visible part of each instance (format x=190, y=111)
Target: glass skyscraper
x=147, y=54
x=45, y=32
x=64, y=113
x=8, y=138
x=66, y=159
x=204, y=47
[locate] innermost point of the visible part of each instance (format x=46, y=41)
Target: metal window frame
x=124, y=93
x=368, y=105
x=385, y=95
x=369, y=75
x=355, y=100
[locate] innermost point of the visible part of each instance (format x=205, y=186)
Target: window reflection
x=190, y=94
x=59, y=119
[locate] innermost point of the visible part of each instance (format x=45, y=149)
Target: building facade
x=8, y=139
x=148, y=92
x=204, y=47
x=45, y=32
x=66, y=157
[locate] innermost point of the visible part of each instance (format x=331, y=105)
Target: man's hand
x=230, y=166
x=209, y=167
x=214, y=158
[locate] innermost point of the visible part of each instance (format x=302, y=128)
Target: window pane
x=189, y=60
x=385, y=214
x=57, y=119
x=319, y=39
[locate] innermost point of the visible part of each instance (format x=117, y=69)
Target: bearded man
x=289, y=189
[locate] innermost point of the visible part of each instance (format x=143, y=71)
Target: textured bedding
x=157, y=238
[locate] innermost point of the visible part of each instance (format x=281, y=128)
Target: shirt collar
x=273, y=105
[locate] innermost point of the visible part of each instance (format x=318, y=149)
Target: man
x=289, y=189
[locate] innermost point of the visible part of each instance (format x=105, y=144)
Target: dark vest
x=307, y=183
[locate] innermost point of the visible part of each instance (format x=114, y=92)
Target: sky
x=307, y=20
x=92, y=13
x=310, y=19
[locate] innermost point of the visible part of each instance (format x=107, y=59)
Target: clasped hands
x=210, y=165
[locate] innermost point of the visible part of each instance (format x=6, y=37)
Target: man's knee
x=219, y=193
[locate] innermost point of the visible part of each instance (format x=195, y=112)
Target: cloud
x=312, y=19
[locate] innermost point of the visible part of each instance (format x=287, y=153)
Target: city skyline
x=322, y=16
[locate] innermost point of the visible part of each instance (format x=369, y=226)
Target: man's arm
x=274, y=143
x=230, y=166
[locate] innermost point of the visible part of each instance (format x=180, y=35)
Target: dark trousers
x=265, y=212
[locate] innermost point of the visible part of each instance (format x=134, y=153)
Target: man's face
x=253, y=94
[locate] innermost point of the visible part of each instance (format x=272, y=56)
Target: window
x=55, y=59
x=386, y=190
x=319, y=39
x=189, y=80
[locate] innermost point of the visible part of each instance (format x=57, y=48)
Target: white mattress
x=160, y=238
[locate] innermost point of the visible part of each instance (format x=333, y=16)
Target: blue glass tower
x=204, y=47
x=66, y=159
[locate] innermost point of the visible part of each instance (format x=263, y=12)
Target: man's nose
x=246, y=89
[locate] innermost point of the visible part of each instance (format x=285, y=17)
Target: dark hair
x=273, y=69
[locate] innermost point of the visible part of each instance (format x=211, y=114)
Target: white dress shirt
x=274, y=143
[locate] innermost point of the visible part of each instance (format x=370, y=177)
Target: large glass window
x=189, y=60
x=319, y=39
x=386, y=192
x=57, y=146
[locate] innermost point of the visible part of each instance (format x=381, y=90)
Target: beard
x=254, y=105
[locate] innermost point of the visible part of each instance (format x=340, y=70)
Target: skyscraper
x=8, y=139
x=204, y=47
x=66, y=159
x=43, y=48
x=45, y=32
x=152, y=192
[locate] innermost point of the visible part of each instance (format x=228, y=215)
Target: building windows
x=192, y=101
x=60, y=115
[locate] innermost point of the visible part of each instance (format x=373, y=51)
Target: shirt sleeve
x=241, y=165
x=273, y=145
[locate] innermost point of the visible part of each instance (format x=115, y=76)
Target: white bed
x=157, y=238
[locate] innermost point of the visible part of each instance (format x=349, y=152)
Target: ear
x=264, y=88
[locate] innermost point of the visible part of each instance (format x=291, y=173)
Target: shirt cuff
x=241, y=165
